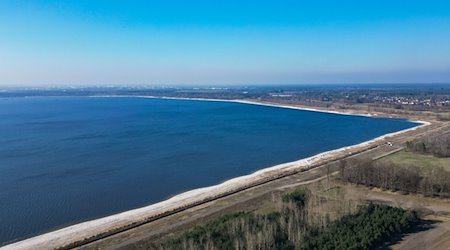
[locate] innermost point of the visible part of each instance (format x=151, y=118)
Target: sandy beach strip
x=267, y=104
x=244, y=102
x=91, y=229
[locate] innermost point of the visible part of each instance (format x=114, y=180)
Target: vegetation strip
x=290, y=227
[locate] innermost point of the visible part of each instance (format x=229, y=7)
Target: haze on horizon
x=82, y=42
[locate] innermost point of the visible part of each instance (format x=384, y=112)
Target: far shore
x=87, y=230
x=249, y=102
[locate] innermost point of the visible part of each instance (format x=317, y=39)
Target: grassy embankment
x=425, y=162
x=423, y=167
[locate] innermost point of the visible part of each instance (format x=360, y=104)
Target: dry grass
x=425, y=162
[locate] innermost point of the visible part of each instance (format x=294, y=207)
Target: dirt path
x=436, y=238
x=435, y=235
x=132, y=238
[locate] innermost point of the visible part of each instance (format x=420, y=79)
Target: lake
x=65, y=160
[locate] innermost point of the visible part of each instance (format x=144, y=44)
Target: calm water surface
x=69, y=159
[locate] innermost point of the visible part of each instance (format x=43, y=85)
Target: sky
x=176, y=42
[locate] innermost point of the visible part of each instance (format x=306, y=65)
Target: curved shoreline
x=244, y=102
x=77, y=233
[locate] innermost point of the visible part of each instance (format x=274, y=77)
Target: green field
x=426, y=162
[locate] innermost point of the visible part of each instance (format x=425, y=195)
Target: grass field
x=426, y=162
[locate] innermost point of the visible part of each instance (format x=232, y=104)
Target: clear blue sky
x=82, y=42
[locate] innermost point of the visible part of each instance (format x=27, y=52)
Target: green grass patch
x=425, y=162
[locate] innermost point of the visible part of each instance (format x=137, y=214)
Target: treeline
x=276, y=230
x=291, y=227
x=389, y=176
x=234, y=231
x=371, y=226
x=437, y=145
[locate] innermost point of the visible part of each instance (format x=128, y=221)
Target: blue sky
x=108, y=42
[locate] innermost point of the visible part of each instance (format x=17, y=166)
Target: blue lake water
x=70, y=159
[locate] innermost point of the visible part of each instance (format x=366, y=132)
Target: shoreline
x=241, y=101
x=82, y=231
x=269, y=104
